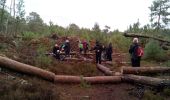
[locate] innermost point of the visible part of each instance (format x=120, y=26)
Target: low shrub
x=153, y=51
x=120, y=42
x=149, y=95
x=29, y=35
x=42, y=60
x=167, y=63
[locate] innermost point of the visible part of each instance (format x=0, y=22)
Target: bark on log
x=62, y=53
x=76, y=60
x=73, y=59
x=103, y=79
x=145, y=70
x=104, y=69
x=86, y=59
x=91, y=80
x=67, y=79
x=108, y=63
x=145, y=80
x=24, y=68
x=144, y=36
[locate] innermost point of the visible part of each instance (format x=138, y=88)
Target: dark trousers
x=135, y=62
x=109, y=56
x=57, y=56
x=85, y=50
x=67, y=52
x=98, y=58
x=80, y=50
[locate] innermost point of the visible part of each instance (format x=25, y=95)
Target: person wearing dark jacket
x=109, y=52
x=135, y=60
x=98, y=50
x=67, y=48
x=56, y=51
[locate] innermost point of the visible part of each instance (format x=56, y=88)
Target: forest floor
x=23, y=87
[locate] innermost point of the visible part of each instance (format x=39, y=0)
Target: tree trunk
x=144, y=36
x=145, y=80
x=91, y=80
x=104, y=69
x=2, y=15
x=24, y=68
x=144, y=70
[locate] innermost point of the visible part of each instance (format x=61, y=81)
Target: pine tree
x=159, y=13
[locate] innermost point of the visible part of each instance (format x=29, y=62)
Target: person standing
x=135, y=53
x=80, y=47
x=67, y=48
x=98, y=50
x=109, y=52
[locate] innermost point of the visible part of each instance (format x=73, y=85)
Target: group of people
x=65, y=47
x=135, y=51
x=84, y=47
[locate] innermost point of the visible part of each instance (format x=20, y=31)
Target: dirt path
x=95, y=92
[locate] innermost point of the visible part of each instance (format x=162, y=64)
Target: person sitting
x=56, y=51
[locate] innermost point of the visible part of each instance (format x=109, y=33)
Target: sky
x=118, y=14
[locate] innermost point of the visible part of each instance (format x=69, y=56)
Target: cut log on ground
x=86, y=59
x=67, y=79
x=24, y=68
x=103, y=79
x=104, y=69
x=145, y=70
x=91, y=80
x=145, y=36
x=145, y=80
x=62, y=53
x=73, y=59
x=78, y=60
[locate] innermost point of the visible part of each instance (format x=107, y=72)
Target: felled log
x=108, y=63
x=145, y=70
x=103, y=79
x=86, y=59
x=78, y=60
x=62, y=53
x=91, y=80
x=144, y=36
x=24, y=68
x=67, y=79
x=145, y=80
x=73, y=59
x=104, y=69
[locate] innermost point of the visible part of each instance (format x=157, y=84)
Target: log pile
x=31, y=70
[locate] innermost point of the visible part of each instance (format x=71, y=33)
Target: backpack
x=139, y=51
x=81, y=45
